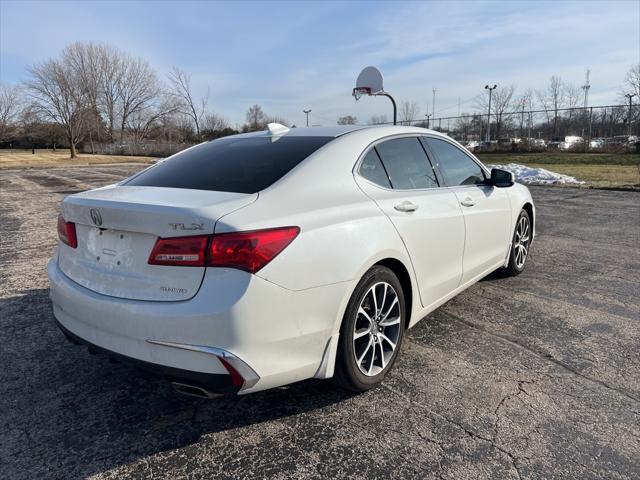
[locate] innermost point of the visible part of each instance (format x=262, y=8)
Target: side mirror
x=501, y=178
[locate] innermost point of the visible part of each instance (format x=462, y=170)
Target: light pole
x=433, y=106
x=629, y=96
x=491, y=89
x=428, y=115
x=307, y=112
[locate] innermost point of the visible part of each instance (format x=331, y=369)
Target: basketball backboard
x=369, y=82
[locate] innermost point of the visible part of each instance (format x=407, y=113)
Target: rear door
x=397, y=175
x=486, y=209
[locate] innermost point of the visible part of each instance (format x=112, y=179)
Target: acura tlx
x=261, y=259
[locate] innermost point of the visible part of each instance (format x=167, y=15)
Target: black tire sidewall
x=347, y=372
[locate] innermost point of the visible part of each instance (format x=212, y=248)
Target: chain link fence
x=610, y=128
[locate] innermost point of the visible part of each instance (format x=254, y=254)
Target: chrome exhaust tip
x=194, y=391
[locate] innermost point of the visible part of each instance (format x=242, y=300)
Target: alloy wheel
x=376, y=329
x=521, y=242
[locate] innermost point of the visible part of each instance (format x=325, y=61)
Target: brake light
x=67, y=232
x=249, y=251
x=180, y=251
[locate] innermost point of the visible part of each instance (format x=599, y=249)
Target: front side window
x=456, y=166
x=406, y=163
x=231, y=164
x=371, y=168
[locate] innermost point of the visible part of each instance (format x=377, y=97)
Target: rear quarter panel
x=342, y=231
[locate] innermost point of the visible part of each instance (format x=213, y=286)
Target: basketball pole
x=395, y=108
x=370, y=79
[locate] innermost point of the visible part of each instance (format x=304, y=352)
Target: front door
x=428, y=218
x=486, y=209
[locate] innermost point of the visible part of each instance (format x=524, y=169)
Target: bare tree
x=408, y=111
x=36, y=130
x=347, y=120
x=213, y=122
x=525, y=102
x=215, y=126
x=141, y=121
x=112, y=71
x=278, y=119
x=57, y=92
x=84, y=60
x=181, y=88
x=256, y=119
x=463, y=125
x=552, y=99
x=9, y=108
x=139, y=91
x=631, y=85
x=501, y=102
x=31, y=123
x=572, y=96
x=378, y=120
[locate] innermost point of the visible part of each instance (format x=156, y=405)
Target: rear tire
x=520, y=245
x=371, y=332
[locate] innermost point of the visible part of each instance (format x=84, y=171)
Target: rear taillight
x=249, y=251
x=236, y=379
x=181, y=251
x=67, y=232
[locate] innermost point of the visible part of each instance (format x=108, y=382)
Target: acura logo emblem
x=96, y=218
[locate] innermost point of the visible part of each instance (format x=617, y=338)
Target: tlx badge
x=182, y=226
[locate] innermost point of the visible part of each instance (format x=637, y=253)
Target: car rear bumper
x=213, y=383
x=270, y=335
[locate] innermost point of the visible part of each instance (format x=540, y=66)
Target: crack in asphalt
x=544, y=355
x=513, y=459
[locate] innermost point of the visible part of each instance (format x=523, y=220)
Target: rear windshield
x=231, y=164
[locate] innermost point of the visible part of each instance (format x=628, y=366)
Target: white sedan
x=262, y=259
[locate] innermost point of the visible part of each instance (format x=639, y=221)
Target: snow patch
x=538, y=175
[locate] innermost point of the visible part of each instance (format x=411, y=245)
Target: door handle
x=468, y=202
x=406, y=207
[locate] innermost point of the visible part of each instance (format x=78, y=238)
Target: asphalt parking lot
x=530, y=377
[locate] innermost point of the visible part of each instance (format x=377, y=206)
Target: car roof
x=340, y=130
x=333, y=131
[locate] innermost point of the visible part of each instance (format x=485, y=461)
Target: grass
x=598, y=170
x=562, y=158
x=598, y=176
x=61, y=157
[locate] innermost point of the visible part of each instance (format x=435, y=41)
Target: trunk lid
x=117, y=227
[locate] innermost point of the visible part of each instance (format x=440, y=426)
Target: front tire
x=372, y=331
x=520, y=244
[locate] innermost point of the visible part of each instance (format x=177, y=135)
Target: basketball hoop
x=358, y=92
x=369, y=82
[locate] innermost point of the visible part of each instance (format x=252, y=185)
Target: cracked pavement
x=536, y=376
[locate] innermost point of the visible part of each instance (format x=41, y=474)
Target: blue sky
x=291, y=55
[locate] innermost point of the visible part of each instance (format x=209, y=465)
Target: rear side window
x=231, y=164
x=406, y=163
x=371, y=168
x=455, y=165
